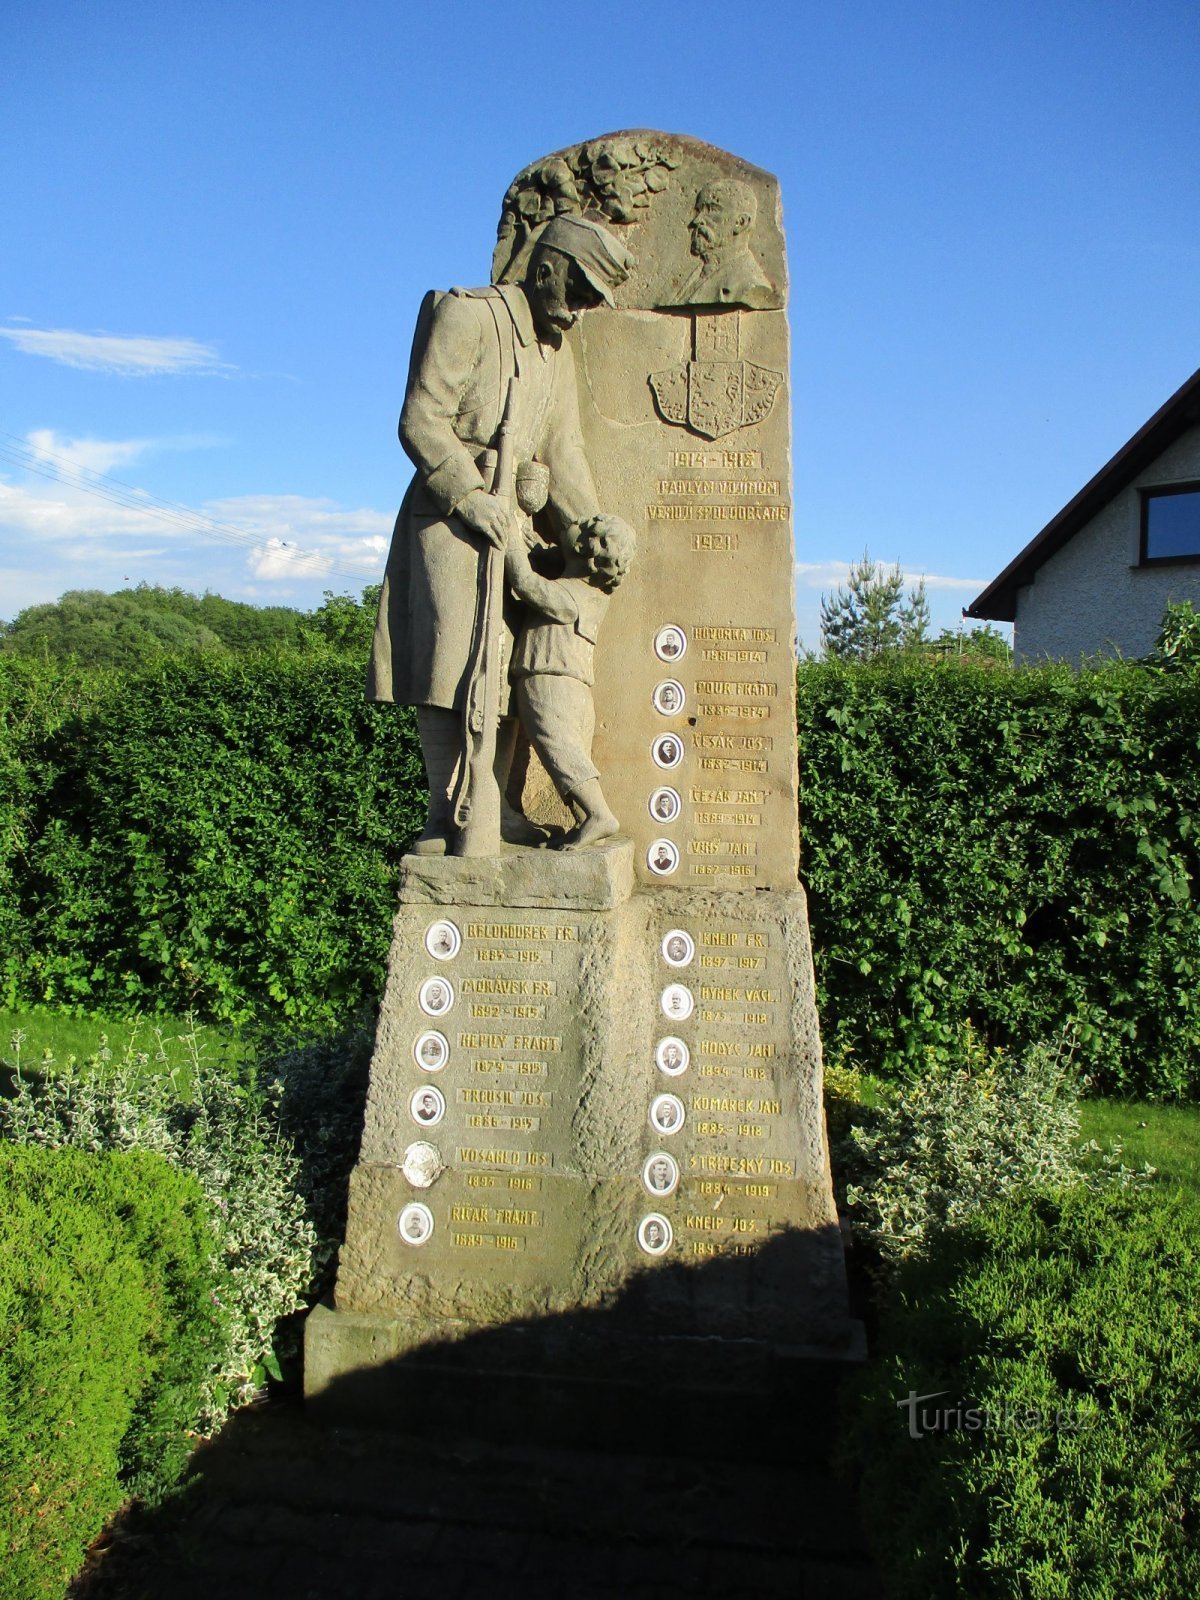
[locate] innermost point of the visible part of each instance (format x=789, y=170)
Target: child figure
x=552, y=662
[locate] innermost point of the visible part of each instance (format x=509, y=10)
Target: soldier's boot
x=441, y=749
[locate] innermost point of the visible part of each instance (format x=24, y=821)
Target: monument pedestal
x=594, y=1155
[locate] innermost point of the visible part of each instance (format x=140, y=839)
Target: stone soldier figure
x=469, y=344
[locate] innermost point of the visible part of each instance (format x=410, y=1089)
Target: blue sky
x=220, y=219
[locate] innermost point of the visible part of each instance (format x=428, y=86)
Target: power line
x=58, y=469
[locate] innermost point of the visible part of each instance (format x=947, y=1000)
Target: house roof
x=998, y=602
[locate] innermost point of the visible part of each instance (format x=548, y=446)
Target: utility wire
x=58, y=469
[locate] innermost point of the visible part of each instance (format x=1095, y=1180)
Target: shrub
x=223, y=1134
x=107, y=1331
x=1018, y=849
x=213, y=833
x=967, y=1132
x=1055, y=1338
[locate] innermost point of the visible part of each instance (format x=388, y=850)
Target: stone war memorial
x=594, y=1166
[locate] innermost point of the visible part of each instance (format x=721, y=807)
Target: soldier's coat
x=468, y=344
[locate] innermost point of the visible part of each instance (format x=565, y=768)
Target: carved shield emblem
x=714, y=398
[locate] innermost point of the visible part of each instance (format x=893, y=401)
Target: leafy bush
x=964, y=1134
x=1047, y=1354
x=216, y=834
x=107, y=1332
x=225, y=1136
x=1015, y=849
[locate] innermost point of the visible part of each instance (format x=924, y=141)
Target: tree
x=870, y=616
x=981, y=644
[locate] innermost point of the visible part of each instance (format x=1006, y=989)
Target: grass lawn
x=1165, y=1137
x=165, y=1040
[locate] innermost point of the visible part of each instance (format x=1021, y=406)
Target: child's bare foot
x=599, y=825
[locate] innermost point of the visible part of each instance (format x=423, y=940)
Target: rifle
x=476, y=798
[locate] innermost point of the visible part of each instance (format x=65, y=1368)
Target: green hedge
x=106, y=1335
x=1028, y=1429
x=213, y=833
x=1014, y=848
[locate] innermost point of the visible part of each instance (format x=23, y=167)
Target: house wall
x=1091, y=597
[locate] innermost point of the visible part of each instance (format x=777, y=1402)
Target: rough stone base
x=534, y=1176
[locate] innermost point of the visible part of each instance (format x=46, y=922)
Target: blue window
x=1171, y=523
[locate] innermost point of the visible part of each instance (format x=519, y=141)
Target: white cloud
x=128, y=356
x=56, y=535
x=84, y=455
x=829, y=574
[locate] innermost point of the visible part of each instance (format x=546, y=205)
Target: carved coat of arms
x=714, y=398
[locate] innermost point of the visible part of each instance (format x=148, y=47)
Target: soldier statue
x=491, y=424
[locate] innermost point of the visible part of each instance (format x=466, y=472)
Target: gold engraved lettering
x=738, y=1166
x=487, y=1241
x=719, y=1047
x=567, y=934
x=762, y=1049
x=715, y=541
x=523, y=1183
x=746, y=689
x=710, y=1130
x=735, y=657
x=486, y=1097
x=703, y=488
x=751, y=963
x=751, y=1130
x=548, y=1042
x=723, y=1102
x=722, y=847
x=706, y=1223
x=525, y=957
x=759, y=1074
x=729, y=819
x=715, y=991
x=468, y=1156
x=483, y=1041
x=715, y=961
x=721, y=708
x=725, y=797
x=704, y=1247
x=513, y=986
x=713, y=937
x=710, y=869
x=470, y=1214
x=718, y=513
x=525, y=1068
x=539, y=1158
x=782, y=1169
x=527, y=932
x=743, y=1224
x=754, y=1191
x=519, y=1013
x=482, y=1180
x=717, y=460
x=514, y=1218
x=733, y=635
x=485, y=1119
x=731, y=764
